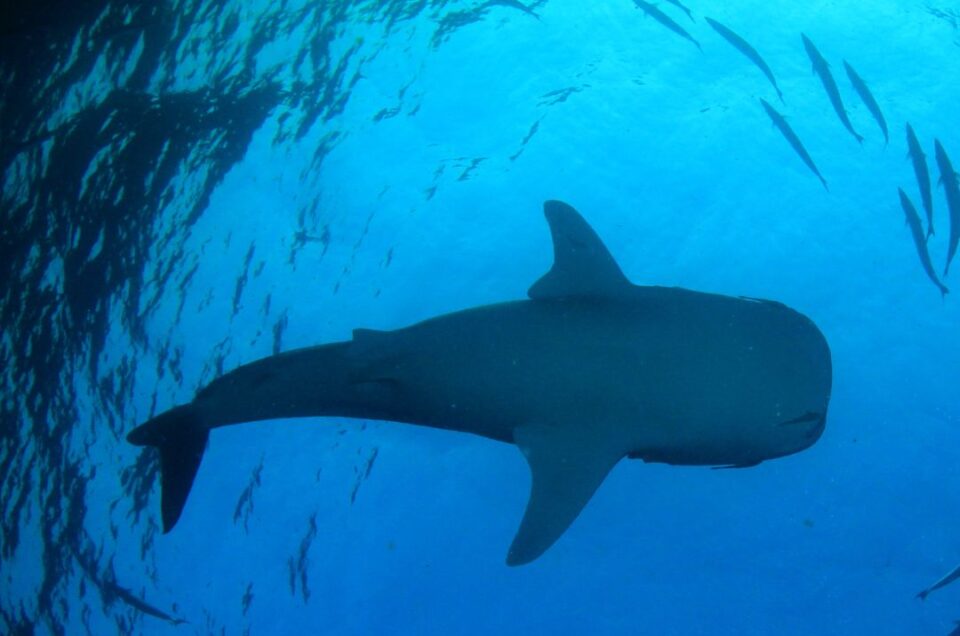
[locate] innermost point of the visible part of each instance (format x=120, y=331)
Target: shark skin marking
x=589, y=370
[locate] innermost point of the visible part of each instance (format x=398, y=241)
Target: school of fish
x=948, y=177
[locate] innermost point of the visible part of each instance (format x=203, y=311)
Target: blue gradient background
x=668, y=154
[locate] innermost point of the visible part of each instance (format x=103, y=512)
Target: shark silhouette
x=590, y=370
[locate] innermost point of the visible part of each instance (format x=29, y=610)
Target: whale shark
x=590, y=369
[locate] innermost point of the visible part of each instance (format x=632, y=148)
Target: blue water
x=193, y=187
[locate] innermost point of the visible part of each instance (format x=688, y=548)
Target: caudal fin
x=181, y=438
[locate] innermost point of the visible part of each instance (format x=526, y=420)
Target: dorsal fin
x=582, y=266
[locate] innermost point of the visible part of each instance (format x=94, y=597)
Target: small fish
x=916, y=228
x=666, y=21
x=513, y=4
x=868, y=99
x=744, y=47
x=948, y=177
x=923, y=175
x=781, y=123
x=110, y=590
x=683, y=8
x=822, y=69
x=943, y=582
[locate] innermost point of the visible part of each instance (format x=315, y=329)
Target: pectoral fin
x=566, y=469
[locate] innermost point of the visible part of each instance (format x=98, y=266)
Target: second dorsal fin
x=582, y=265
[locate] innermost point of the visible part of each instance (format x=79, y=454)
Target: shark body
x=591, y=369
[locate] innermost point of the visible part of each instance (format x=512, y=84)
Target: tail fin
x=181, y=438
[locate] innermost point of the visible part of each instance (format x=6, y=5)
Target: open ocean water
x=191, y=185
